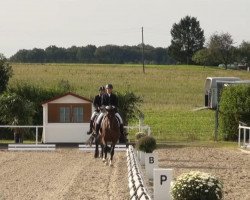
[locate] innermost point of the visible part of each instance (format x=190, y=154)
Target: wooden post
x=143, y=69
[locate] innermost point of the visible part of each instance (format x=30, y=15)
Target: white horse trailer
x=211, y=89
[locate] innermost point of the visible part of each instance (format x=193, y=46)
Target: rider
x=109, y=98
x=97, y=105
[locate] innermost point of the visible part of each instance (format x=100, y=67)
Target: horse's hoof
x=103, y=160
x=96, y=156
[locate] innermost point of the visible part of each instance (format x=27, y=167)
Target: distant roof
x=68, y=93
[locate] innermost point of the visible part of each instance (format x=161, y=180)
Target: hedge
x=234, y=107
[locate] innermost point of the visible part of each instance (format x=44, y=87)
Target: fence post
x=239, y=136
x=244, y=142
x=149, y=131
x=249, y=136
x=36, y=135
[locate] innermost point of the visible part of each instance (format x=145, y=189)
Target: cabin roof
x=66, y=94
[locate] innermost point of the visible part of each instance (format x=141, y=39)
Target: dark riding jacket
x=97, y=102
x=108, y=100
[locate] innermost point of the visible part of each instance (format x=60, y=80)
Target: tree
x=36, y=56
x=16, y=110
x=128, y=106
x=109, y=54
x=244, y=53
x=86, y=54
x=201, y=57
x=20, y=56
x=187, y=38
x=221, y=48
x=5, y=73
x=56, y=54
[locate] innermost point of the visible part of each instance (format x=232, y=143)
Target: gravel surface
x=71, y=174
x=231, y=166
x=63, y=174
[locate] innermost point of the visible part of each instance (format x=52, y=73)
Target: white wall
x=65, y=133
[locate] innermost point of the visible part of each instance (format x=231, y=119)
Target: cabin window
x=64, y=114
x=69, y=113
x=78, y=114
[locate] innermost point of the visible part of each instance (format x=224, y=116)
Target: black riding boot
x=97, y=135
x=90, y=127
x=97, y=129
x=122, y=138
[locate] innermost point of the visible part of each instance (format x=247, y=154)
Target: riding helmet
x=109, y=86
x=102, y=88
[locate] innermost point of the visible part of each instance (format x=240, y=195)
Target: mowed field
x=169, y=93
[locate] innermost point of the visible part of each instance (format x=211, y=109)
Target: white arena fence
x=139, y=128
x=137, y=189
x=242, y=142
x=86, y=147
x=29, y=147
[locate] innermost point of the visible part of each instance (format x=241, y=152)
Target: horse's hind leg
x=102, y=150
x=96, y=147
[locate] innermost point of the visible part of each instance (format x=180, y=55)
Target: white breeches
x=95, y=113
x=102, y=114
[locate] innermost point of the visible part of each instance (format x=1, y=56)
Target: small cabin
x=66, y=119
x=211, y=89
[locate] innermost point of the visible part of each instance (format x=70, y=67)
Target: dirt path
x=63, y=174
x=231, y=166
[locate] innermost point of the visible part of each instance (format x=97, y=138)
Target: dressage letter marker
x=142, y=158
x=162, y=180
x=151, y=162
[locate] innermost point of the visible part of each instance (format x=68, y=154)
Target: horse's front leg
x=112, y=152
x=105, y=153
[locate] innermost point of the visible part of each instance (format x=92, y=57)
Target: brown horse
x=109, y=132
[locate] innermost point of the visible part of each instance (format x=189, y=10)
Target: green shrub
x=146, y=144
x=196, y=185
x=234, y=107
x=37, y=95
x=140, y=135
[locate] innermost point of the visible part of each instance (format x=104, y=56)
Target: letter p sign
x=163, y=179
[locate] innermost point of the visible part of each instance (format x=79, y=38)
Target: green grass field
x=170, y=93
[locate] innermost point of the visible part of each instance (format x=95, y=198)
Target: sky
x=26, y=24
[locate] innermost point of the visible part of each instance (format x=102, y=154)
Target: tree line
x=188, y=46
x=92, y=54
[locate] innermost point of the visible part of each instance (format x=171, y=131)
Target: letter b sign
x=151, y=160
